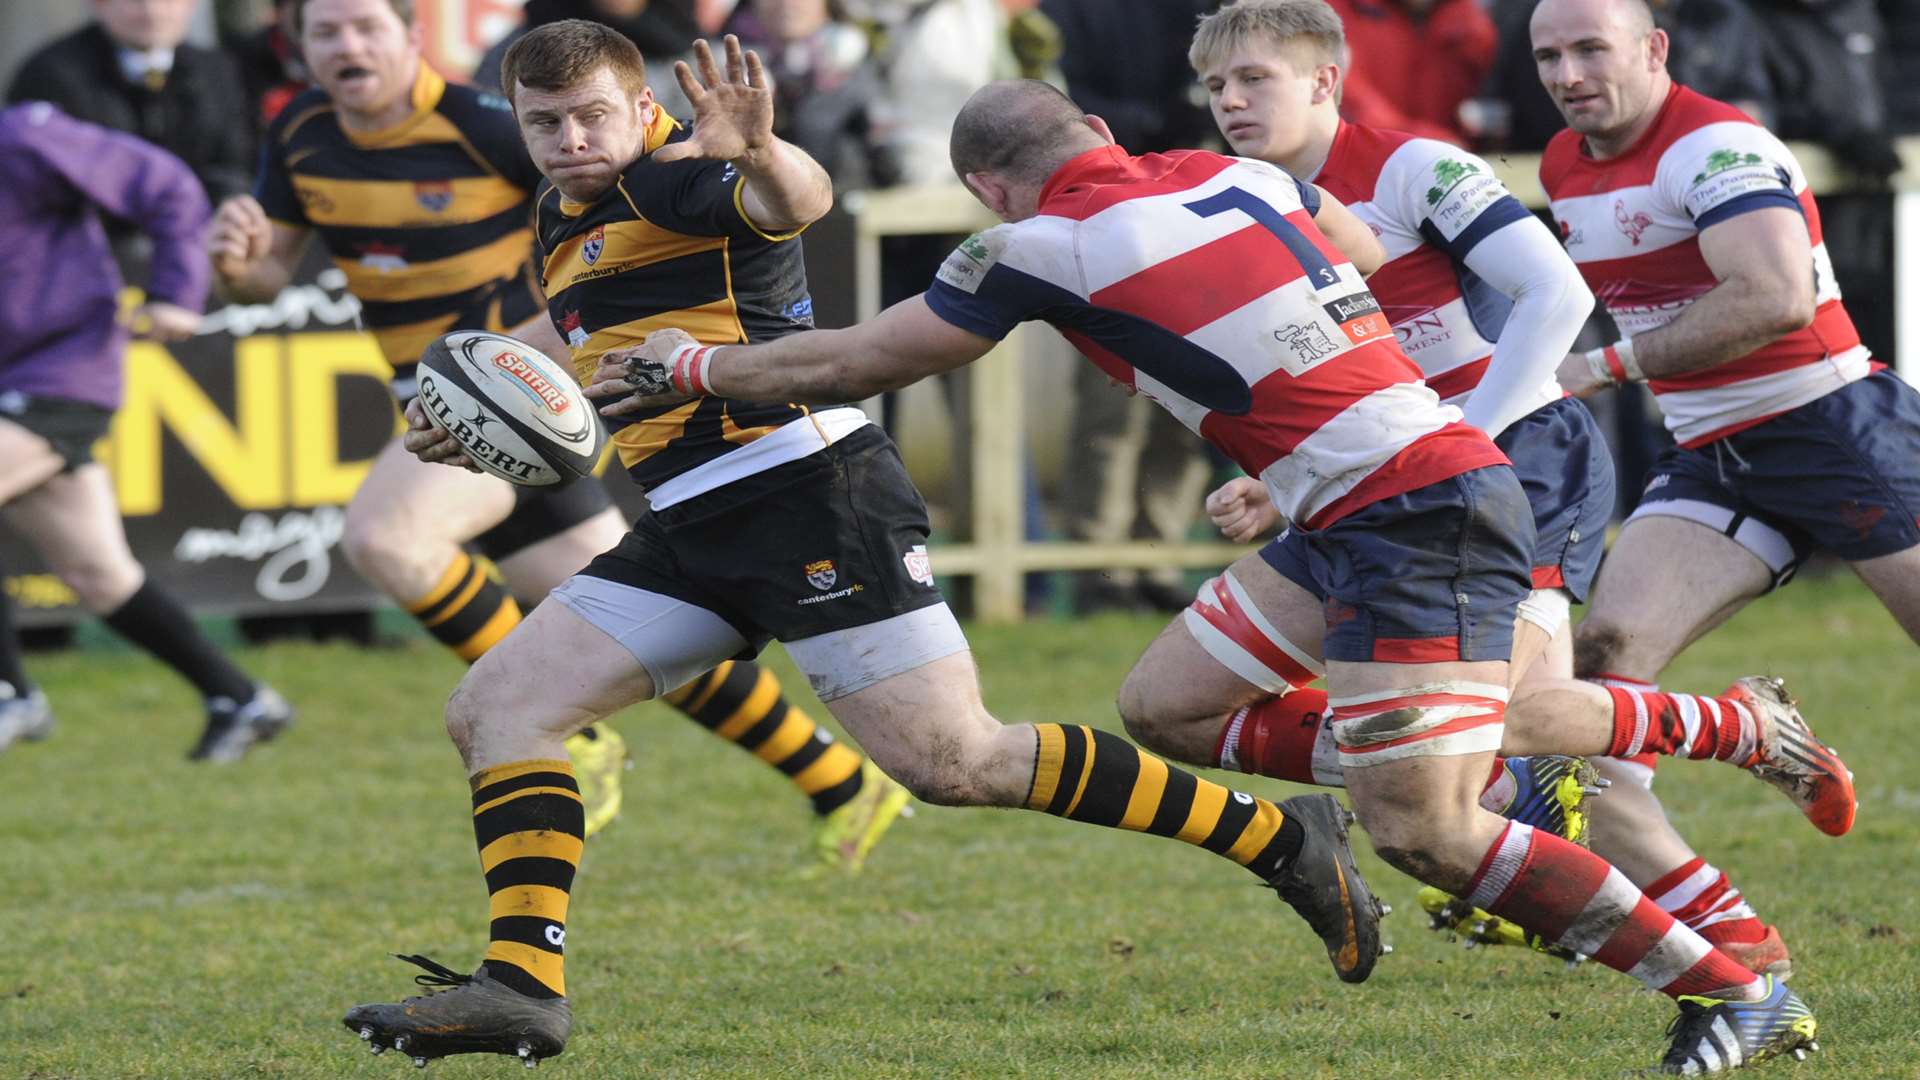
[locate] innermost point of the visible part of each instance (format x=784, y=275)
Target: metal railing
x=999, y=554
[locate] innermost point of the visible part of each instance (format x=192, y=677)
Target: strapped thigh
x=1224, y=620
x=1434, y=720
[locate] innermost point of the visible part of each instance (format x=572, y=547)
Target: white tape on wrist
x=1615, y=364
x=690, y=365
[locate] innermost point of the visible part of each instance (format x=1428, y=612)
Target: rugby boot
x=470, y=1014
x=233, y=726
x=599, y=757
x=24, y=719
x=1712, y=1035
x=1325, y=887
x=842, y=839
x=1548, y=792
x=1790, y=757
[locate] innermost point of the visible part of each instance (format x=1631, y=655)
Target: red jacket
x=1411, y=72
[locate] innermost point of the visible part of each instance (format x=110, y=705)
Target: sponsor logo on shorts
x=1659, y=481
x=596, y=243
x=821, y=574
x=919, y=565
x=1861, y=519
x=553, y=397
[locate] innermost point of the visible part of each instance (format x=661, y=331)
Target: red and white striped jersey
x=1201, y=281
x=1430, y=204
x=1633, y=223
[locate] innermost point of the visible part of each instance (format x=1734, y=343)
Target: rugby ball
x=517, y=413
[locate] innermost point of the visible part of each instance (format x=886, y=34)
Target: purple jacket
x=59, y=287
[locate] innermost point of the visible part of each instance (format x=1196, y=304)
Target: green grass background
x=164, y=920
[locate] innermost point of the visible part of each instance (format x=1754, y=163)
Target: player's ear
x=989, y=189
x=1658, y=45
x=1326, y=83
x=1100, y=128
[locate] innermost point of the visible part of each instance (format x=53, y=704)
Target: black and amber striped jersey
x=429, y=219
x=670, y=245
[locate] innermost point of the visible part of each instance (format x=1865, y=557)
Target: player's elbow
x=1786, y=305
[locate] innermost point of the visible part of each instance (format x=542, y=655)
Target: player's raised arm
x=733, y=121
x=904, y=344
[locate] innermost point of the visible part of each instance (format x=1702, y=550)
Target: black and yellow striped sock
x=529, y=823
x=742, y=703
x=1089, y=775
x=468, y=611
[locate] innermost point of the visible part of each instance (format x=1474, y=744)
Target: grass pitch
x=164, y=920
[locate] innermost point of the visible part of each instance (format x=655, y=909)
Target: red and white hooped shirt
x=1201, y=281
x=1632, y=223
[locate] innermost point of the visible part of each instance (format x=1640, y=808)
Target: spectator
x=1415, y=62
x=664, y=31
x=1903, y=41
x=270, y=64
x=1134, y=472
x=131, y=70
x=1825, y=58
x=827, y=88
x=61, y=350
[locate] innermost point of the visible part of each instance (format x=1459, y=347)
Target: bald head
x=1634, y=17
x=1605, y=65
x=1020, y=130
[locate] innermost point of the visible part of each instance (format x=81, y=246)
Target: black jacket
x=200, y=114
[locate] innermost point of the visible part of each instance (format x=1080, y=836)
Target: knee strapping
x=1435, y=720
x=1224, y=620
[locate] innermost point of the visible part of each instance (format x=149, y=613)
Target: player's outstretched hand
x=431, y=444
x=157, y=320
x=732, y=117
x=632, y=380
x=241, y=235
x=1242, y=510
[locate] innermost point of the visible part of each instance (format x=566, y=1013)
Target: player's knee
x=102, y=582
x=371, y=544
x=1135, y=704
x=1598, y=648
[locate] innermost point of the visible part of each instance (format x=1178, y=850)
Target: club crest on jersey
x=433, y=195
x=821, y=574
x=919, y=564
x=596, y=243
x=1633, y=225
x=570, y=326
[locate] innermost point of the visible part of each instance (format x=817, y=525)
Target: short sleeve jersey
x=1200, y=281
x=429, y=219
x=1430, y=204
x=1632, y=223
x=671, y=246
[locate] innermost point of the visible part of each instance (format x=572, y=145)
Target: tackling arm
x=904, y=344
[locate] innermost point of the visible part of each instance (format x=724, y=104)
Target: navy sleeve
x=1309, y=197
x=978, y=293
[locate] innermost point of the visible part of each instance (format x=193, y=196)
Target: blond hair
x=1310, y=24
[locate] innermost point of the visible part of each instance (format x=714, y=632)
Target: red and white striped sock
x=1574, y=898
x=1645, y=763
x=1682, y=725
x=1698, y=894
